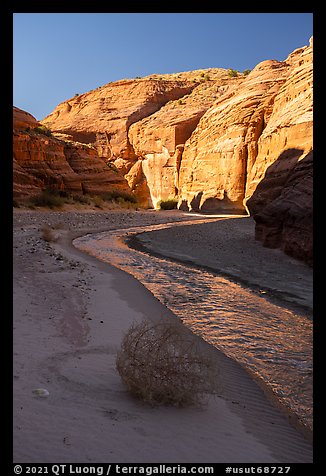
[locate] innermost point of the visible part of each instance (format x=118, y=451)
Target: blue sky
x=57, y=55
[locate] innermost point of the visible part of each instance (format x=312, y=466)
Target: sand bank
x=228, y=247
x=70, y=313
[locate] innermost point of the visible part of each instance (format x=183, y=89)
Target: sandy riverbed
x=229, y=248
x=70, y=313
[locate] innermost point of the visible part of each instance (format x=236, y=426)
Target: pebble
x=41, y=392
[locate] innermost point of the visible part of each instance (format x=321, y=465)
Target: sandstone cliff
x=245, y=131
x=41, y=160
x=103, y=116
x=158, y=140
x=215, y=162
x=139, y=124
x=23, y=120
x=210, y=140
x=279, y=192
x=289, y=125
x=203, y=137
x=282, y=206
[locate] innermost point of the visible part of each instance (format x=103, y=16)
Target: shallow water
x=272, y=342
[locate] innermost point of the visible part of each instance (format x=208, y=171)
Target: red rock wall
x=279, y=192
x=212, y=141
x=213, y=173
x=289, y=125
x=137, y=124
x=103, y=116
x=42, y=161
x=158, y=139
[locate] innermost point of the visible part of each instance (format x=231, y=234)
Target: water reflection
x=272, y=342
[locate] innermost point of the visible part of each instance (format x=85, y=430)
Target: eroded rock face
x=158, y=140
x=25, y=185
x=138, y=124
x=102, y=117
x=203, y=137
x=279, y=191
x=289, y=125
x=284, y=213
x=216, y=159
x=42, y=161
x=23, y=120
x=213, y=141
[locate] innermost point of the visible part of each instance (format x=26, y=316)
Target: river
x=272, y=342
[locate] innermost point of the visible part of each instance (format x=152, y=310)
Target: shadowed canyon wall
x=282, y=205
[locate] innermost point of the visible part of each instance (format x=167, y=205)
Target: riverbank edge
x=273, y=296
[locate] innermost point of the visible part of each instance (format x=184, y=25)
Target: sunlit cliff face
x=202, y=137
x=210, y=142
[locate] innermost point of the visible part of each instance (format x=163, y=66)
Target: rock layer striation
x=141, y=125
x=40, y=160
